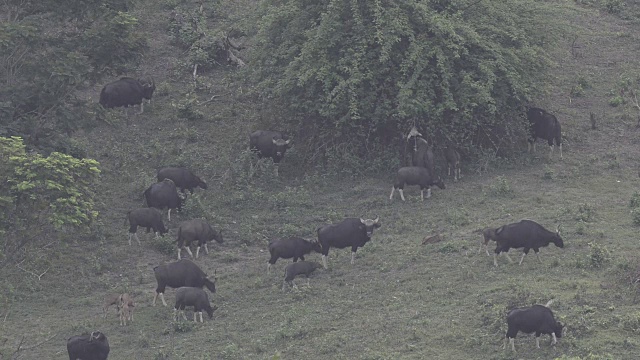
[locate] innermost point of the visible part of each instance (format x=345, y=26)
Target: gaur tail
x=145, y=194
x=126, y=219
x=179, y=235
x=103, y=97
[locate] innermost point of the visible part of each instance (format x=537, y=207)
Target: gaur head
x=148, y=87
x=315, y=246
x=211, y=285
x=316, y=265
x=210, y=311
x=558, y=329
x=218, y=237
x=281, y=146
x=439, y=183
x=97, y=335
x=413, y=133
x=370, y=225
x=201, y=183
x=557, y=240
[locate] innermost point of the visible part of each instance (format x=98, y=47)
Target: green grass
x=401, y=299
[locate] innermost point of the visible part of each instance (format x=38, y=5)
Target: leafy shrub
x=501, y=187
x=599, y=255
x=187, y=108
x=616, y=101
x=634, y=202
x=448, y=249
x=635, y=216
x=194, y=208
x=457, y=217
x=549, y=173
x=164, y=244
x=183, y=326
x=585, y=212
x=113, y=41
x=230, y=351
x=631, y=322
x=184, y=27
x=577, y=91
x=613, y=6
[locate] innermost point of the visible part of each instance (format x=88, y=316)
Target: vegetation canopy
x=364, y=71
x=44, y=195
x=49, y=50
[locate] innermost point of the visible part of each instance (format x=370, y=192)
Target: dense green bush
x=361, y=74
x=42, y=196
x=599, y=255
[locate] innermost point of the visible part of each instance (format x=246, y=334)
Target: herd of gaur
x=189, y=280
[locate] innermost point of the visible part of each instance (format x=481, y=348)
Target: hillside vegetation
x=401, y=299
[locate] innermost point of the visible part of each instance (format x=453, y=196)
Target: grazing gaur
x=192, y=296
x=178, y=274
x=94, y=346
x=196, y=230
x=526, y=234
x=350, y=232
x=271, y=144
x=415, y=175
x=536, y=319
x=145, y=217
x=163, y=194
x=421, y=151
x=292, y=247
x=453, y=162
x=183, y=178
x=545, y=126
x=127, y=92
x=298, y=268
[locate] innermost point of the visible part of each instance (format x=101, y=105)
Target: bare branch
x=20, y=348
x=212, y=98
x=31, y=272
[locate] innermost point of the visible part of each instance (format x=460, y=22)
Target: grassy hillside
x=401, y=299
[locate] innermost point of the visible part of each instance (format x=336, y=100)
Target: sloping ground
x=400, y=299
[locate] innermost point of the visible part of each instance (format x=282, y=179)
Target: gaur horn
x=274, y=140
x=414, y=132
x=287, y=142
x=376, y=220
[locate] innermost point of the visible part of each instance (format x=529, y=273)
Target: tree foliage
x=49, y=50
x=41, y=195
x=349, y=71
